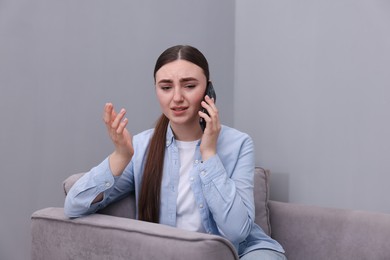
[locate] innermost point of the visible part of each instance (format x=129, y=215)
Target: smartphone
x=211, y=93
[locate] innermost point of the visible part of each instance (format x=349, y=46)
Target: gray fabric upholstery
x=310, y=232
x=107, y=237
x=261, y=197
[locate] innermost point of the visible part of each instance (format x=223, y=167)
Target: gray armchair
x=114, y=234
x=306, y=232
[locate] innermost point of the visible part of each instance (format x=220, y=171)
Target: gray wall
x=312, y=88
x=60, y=62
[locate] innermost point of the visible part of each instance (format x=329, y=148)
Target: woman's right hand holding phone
x=116, y=125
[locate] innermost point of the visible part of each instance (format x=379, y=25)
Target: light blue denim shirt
x=222, y=187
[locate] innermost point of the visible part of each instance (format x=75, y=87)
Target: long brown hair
x=149, y=200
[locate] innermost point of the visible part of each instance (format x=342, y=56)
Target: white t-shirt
x=187, y=214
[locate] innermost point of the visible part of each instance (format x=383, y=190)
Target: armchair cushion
x=261, y=197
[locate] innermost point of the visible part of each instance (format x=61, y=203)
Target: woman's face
x=180, y=88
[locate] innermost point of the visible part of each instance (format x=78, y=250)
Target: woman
x=182, y=176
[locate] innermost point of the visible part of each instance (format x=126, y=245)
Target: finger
x=118, y=118
x=203, y=114
x=107, y=115
x=122, y=126
x=210, y=102
x=210, y=107
x=205, y=117
x=209, y=99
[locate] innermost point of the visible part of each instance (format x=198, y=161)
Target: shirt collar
x=171, y=137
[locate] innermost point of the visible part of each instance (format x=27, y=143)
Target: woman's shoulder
x=230, y=131
x=143, y=137
x=232, y=137
x=233, y=145
x=141, y=142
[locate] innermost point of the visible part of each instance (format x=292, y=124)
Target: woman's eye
x=190, y=86
x=165, y=87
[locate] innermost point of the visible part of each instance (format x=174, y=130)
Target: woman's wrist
x=118, y=162
x=207, y=154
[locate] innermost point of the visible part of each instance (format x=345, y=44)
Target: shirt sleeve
x=230, y=195
x=78, y=201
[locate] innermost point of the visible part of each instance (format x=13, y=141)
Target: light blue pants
x=263, y=254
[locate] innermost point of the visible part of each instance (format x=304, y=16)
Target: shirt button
x=196, y=161
x=203, y=173
x=108, y=184
x=201, y=206
x=192, y=179
x=167, y=143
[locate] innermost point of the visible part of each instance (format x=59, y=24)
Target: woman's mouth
x=179, y=110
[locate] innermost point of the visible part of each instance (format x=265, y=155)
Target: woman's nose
x=177, y=95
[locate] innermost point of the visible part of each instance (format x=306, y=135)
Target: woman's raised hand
x=116, y=125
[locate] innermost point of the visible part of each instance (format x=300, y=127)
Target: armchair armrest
x=312, y=232
x=97, y=236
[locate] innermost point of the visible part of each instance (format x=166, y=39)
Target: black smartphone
x=211, y=93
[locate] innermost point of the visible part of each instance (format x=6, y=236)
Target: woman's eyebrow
x=181, y=80
x=165, y=81
x=188, y=79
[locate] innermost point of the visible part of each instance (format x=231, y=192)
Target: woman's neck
x=186, y=132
